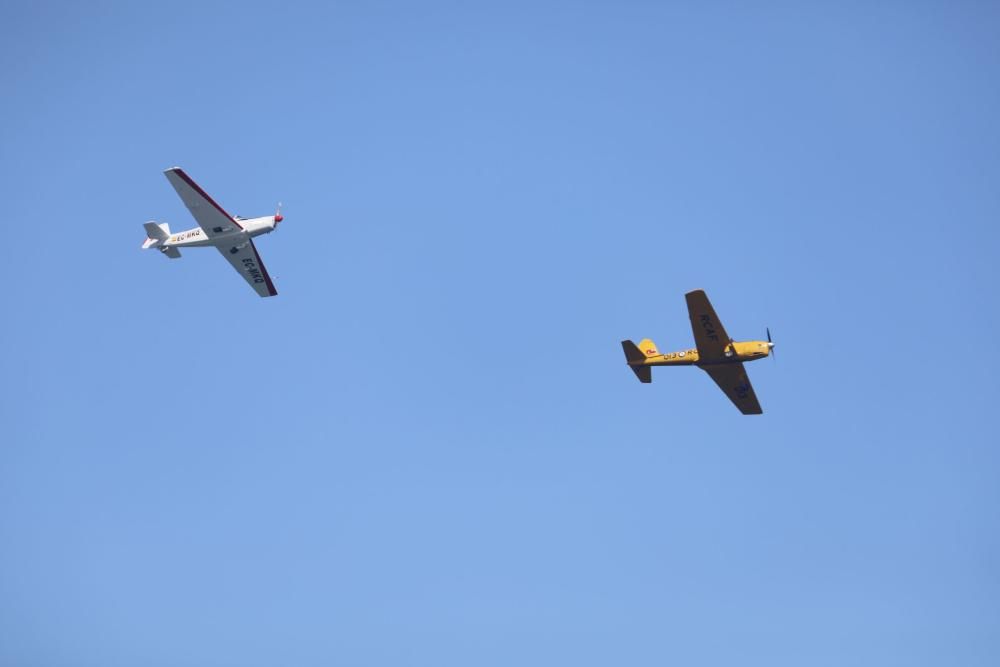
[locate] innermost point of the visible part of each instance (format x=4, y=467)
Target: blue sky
x=427, y=450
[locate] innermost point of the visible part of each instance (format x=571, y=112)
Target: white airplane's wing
x=246, y=261
x=211, y=217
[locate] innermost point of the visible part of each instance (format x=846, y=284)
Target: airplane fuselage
x=239, y=231
x=736, y=352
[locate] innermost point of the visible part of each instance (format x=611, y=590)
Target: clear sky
x=427, y=449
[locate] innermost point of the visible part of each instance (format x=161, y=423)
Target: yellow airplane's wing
x=733, y=380
x=710, y=336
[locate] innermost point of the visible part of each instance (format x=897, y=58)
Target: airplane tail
x=648, y=348
x=156, y=234
x=636, y=355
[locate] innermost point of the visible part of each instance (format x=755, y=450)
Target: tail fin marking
x=648, y=348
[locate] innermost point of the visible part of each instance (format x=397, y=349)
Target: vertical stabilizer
x=648, y=348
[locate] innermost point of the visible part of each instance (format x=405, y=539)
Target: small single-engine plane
x=230, y=235
x=715, y=353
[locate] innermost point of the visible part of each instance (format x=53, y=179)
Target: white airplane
x=231, y=235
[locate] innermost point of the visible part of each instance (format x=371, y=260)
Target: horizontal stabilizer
x=636, y=360
x=644, y=373
x=157, y=232
x=633, y=355
x=171, y=252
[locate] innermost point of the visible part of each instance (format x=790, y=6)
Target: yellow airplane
x=716, y=353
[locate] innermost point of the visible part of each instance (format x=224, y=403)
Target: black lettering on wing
x=709, y=327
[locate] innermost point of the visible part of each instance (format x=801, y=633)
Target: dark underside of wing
x=710, y=336
x=732, y=379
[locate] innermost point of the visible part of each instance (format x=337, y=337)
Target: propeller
x=277, y=214
x=770, y=345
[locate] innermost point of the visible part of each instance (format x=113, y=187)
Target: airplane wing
x=246, y=261
x=211, y=217
x=733, y=380
x=710, y=336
